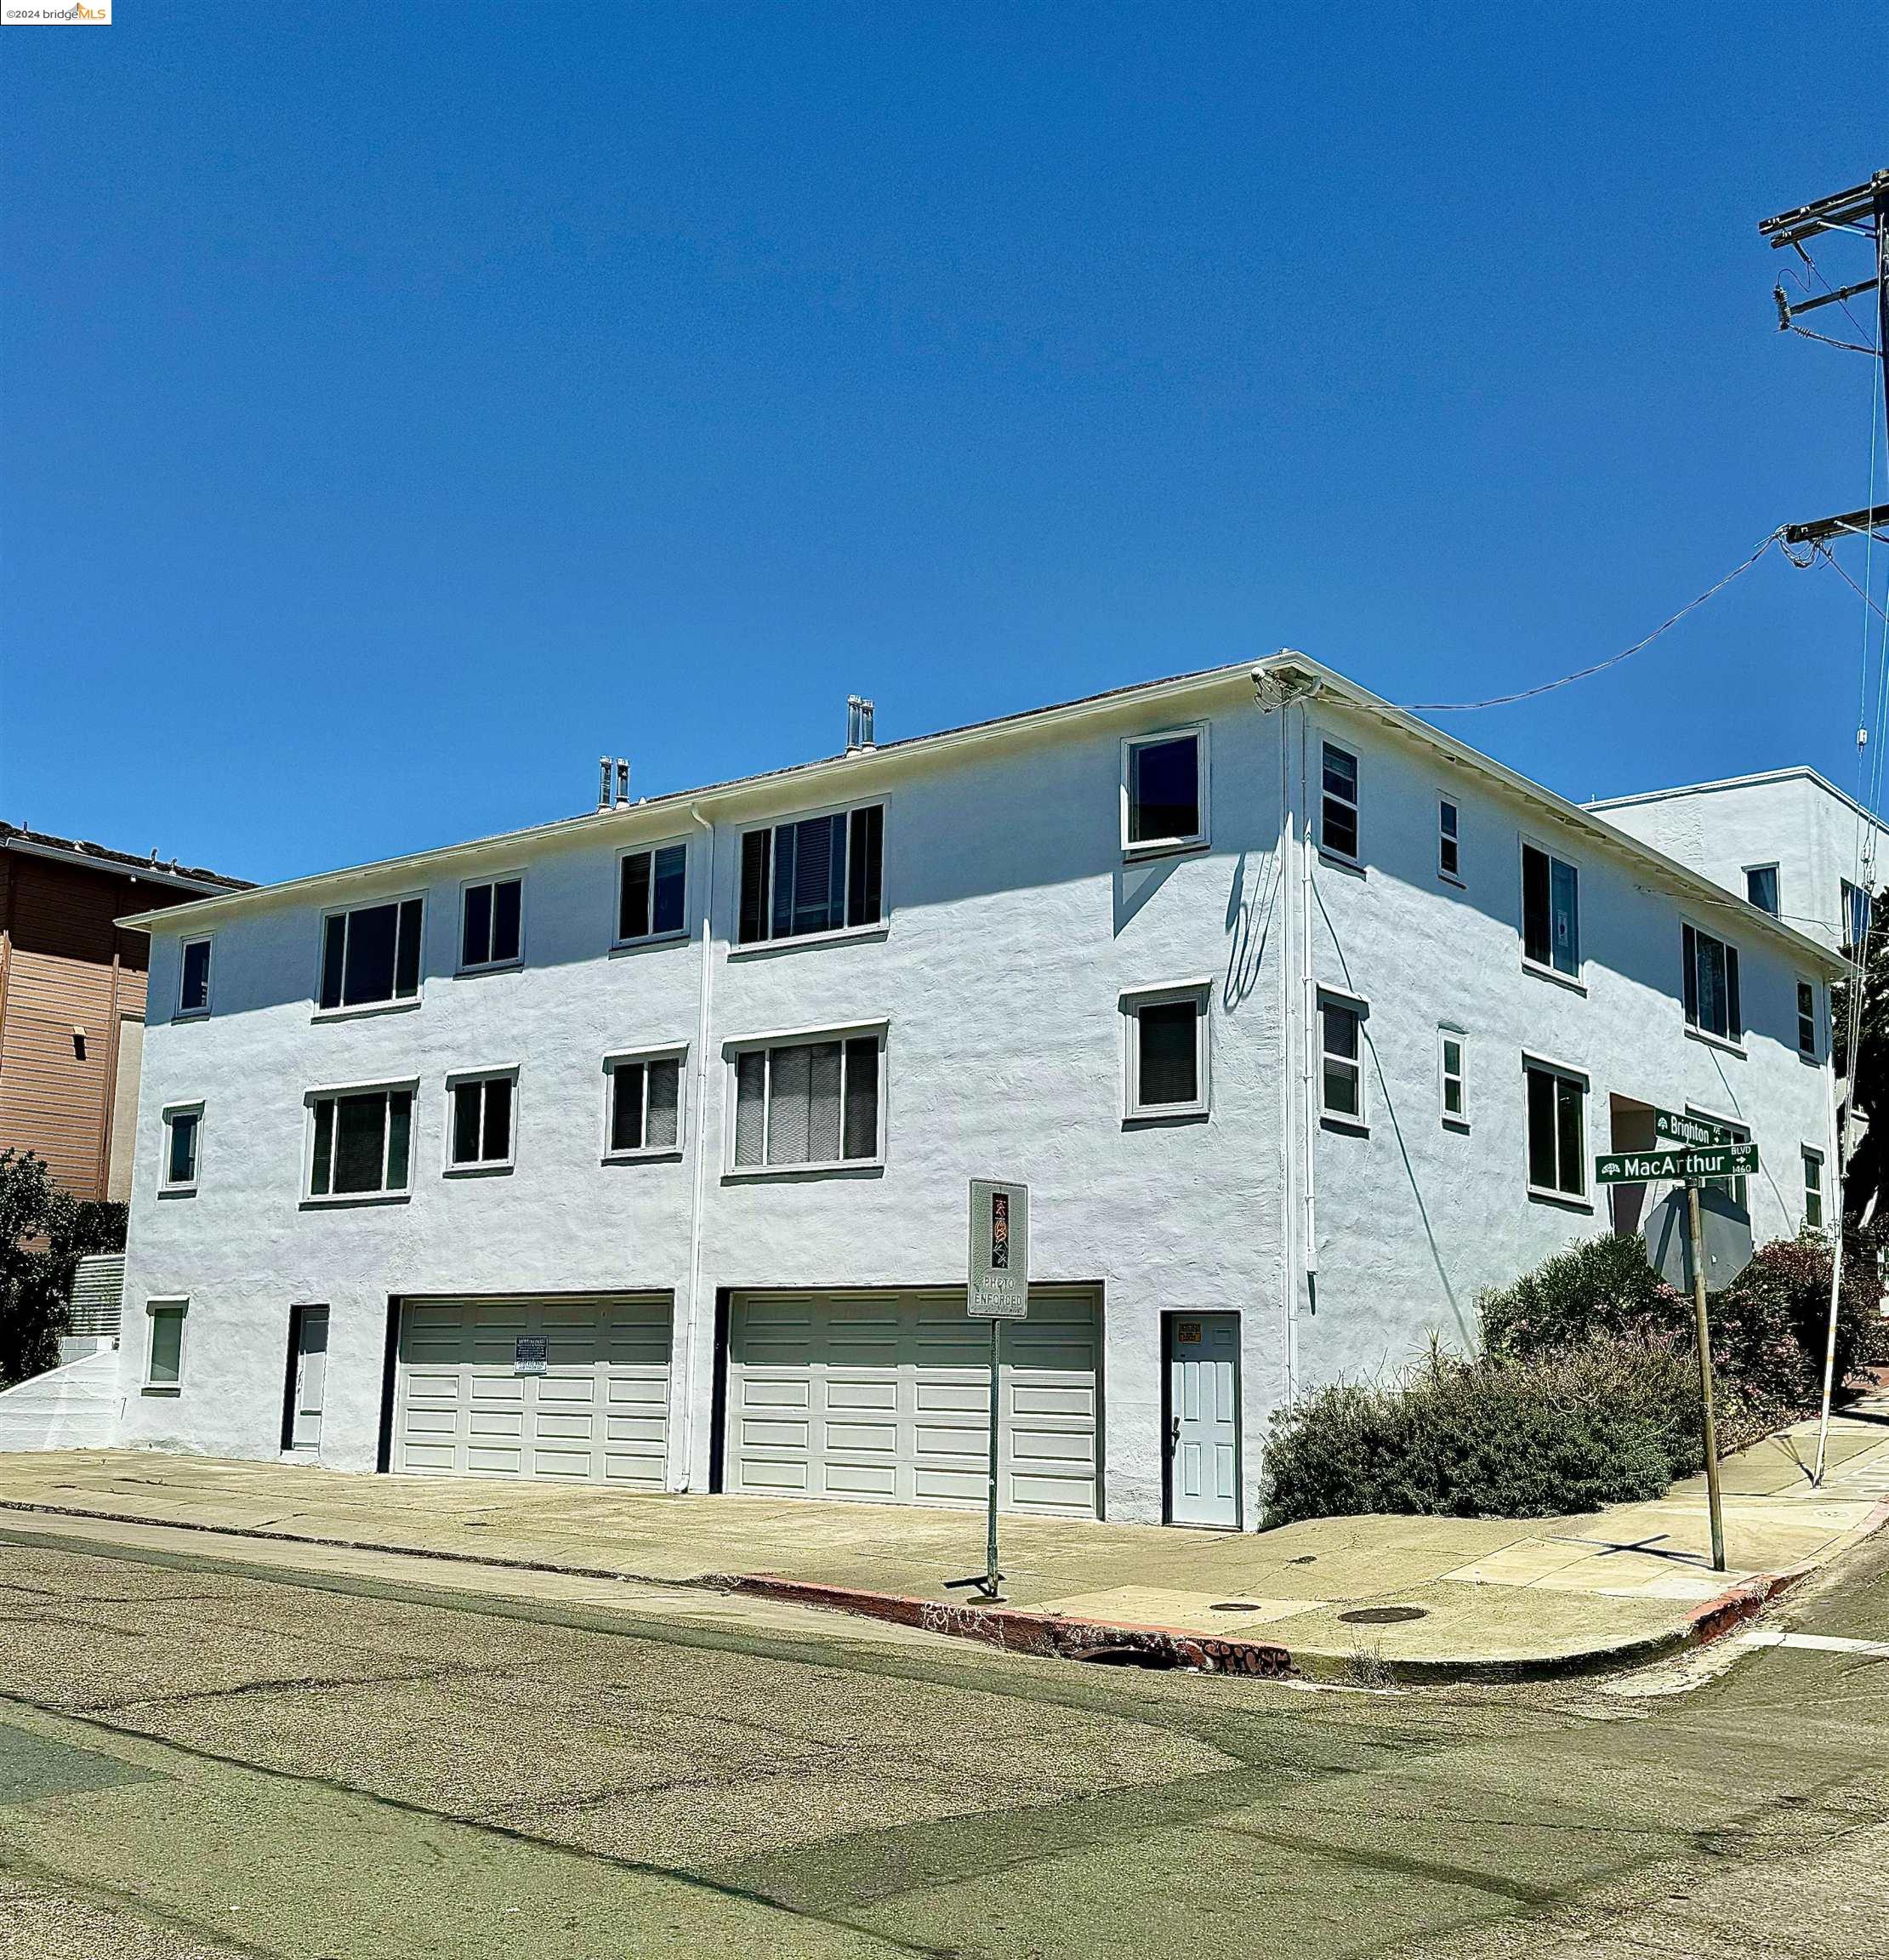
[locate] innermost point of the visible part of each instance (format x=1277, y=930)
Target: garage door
x=885, y=1398
x=468, y=1400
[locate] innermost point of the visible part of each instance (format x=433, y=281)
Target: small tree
x=43, y=1232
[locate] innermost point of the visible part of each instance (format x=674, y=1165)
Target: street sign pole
x=992, y=1575
x=999, y=1291
x=1705, y=1373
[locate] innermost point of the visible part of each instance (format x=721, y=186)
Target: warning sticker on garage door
x=533, y=1355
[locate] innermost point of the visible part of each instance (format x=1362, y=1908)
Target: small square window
x=1338, y=803
x=1449, y=848
x=643, y=1105
x=193, y=983
x=183, y=1139
x=651, y=892
x=491, y=924
x=481, y=1121
x=1341, y=1058
x=164, y=1345
x=1164, y=791
x=1166, y=1074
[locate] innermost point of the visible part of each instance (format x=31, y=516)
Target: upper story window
x=183, y=1143
x=1550, y=912
x=815, y=874
x=643, y=1111
x=193, y=978
x=809, y=1104
x=1452, y=1074
x=1166, y=1072
x=1341, y=1059
x=360, y=1141
x=370, y=956
x=652, y=886
x=481, y=1120
x=1711, y=985
x=1807, y=1020
x=1338, y=803
x=1557, y=1130
x=1856, y=916
x=1164, y=791
x=491, y=924
x=1449, y=846
x=1761, y=887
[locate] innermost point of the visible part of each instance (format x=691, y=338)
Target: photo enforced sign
x=999, y=1250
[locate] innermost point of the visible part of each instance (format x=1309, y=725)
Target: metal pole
x=1837, y=1288
x=1705, y=1373
x=991, y=1574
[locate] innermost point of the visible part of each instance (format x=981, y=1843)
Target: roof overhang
x=133, y=868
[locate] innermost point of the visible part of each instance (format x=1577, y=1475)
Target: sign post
x=1692, y=1150
x=999, y=1290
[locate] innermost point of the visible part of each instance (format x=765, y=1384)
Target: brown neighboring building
x=72, y=1000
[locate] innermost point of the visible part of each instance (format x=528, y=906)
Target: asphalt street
x=202, y=1757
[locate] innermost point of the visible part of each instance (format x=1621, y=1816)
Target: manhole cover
x=1382, y=1616
x=1236, y=1606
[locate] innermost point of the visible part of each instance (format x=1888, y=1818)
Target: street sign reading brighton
x=1695, y=1131
x=1651, y=1166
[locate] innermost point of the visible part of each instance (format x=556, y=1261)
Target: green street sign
x=1651, y=1166
x=1692, y=1131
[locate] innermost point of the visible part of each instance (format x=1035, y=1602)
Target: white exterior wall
x=1012, y=927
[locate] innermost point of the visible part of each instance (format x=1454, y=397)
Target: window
x=1449, y=850
x=481, y=1120
x=1557, y=1124
x=1734, y=1187
x=370, y=956
x=1338, y=805
x=643, y=1109
x=1813, y=1189
x=1453, y=1071
x=1807, y=1020
x=360, y=1143
x=650, y=888
x=1166, y=1075
x=491, y=918
x=811, y=1104
x=1341, y=1046
x=193, y=979
x=183, y=1137
x=164, y=1345
x=1550, y=912
x=820, y=875
x=1856, y=916
x=1711, y=985
x=1761, y=886
x=1164, y=791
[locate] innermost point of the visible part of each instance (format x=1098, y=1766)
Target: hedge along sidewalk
x=1496, y=1597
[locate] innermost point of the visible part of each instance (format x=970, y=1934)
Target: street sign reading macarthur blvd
x=1653, y=1166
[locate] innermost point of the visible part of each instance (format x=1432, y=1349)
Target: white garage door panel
x=599, y=1413
x=886, y=1397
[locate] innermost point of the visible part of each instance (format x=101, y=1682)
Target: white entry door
x=1204, y=1402
x=311, y=1377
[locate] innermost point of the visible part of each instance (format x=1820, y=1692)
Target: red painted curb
x=1016, y=1630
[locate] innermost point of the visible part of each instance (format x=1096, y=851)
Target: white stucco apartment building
x=636, y=1147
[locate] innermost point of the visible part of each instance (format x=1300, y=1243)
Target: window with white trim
x=1813, y=1188
x=1452, y=1076
x=1341, y=1059
x=1557, y=1130
x=183, y=1143
x=1166, y=1071
x=370, y=956
x=360, y=1143
x=809, y=1104
x=1855, y=916
x=652, y=893
x=1164, y=791
x=1711, y=979
x=1761, y=887
x=492, y=918
x=481, y=1119
x=643, y=1104
x=1807, y=1020
x=1450, y=846
x=816, y=875
x=193, y=978
x=164, y=1345
x=1550, y=912
x=1338, y=803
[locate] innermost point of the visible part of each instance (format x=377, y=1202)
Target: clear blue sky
x=405, y=404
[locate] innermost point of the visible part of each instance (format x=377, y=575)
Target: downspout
x=704, y=990
x=1289, y=1016
x=1308, y=1008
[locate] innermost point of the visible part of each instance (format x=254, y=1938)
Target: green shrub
x=1600, y=1286
x=1604, y=1420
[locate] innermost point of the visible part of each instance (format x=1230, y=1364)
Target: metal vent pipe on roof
x=603, y=782
x=623, y=782
x=859, y=724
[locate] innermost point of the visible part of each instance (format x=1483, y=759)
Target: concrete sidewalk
x=1444, y=1596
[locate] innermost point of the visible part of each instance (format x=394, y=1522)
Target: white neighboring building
x=634, y=1148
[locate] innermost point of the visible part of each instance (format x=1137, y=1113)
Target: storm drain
x=1382, y=1616
x=1236, y=1606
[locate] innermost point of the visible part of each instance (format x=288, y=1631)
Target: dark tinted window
x=1170, y=1071
x=820, y=875
x=194, y=992
x=371, y=954
x=1163, y=795
x=651, y=891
